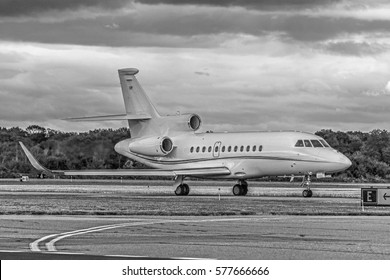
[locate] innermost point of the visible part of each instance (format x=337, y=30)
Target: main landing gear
x=306, y=184
x=181, y=188
x=241, y=188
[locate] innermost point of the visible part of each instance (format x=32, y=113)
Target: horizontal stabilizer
x=119, y=117
x=204, y=171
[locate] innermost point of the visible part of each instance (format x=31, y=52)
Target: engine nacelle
x=185, y=122
x=194, y=122
x=152, y=146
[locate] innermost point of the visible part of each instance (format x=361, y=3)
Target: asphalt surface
x=239, y=237
x=144, y=220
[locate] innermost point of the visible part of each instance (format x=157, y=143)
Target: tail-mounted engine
x=185, y=122
x=194, y=122
x=152, y=146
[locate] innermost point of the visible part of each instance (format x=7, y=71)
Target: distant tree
x=377, y=144
x=368, y=151
x=36, y=133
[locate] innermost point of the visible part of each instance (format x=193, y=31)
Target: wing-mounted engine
x=152, y=146
x=185, y=122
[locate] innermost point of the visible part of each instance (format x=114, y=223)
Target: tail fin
x=136, y=101
x=141, y=115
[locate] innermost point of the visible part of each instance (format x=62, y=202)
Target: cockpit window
x=324, y=143
x=316, y=144
x=307, y=143
x=299, y=144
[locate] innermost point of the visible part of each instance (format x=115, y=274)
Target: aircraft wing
x=209, y=171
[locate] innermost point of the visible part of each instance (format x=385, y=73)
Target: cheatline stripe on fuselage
x=223, y=158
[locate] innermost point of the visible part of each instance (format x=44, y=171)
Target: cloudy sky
x=241, y=65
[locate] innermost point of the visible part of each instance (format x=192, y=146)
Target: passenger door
x=217, y=148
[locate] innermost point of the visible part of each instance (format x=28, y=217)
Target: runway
x=95, y=220
x=255, y=237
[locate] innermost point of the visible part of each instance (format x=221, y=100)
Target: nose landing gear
x=306, y=184
x=241, y=188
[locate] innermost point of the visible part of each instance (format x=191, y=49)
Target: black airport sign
x=376, y=196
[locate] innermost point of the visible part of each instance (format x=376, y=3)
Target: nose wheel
x=307, y=193
x=306, y=184
x=241, y=188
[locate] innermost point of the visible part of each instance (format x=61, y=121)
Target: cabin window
x=242, y=149
x=307, y=143
x=197, y=149
x=254, y=149
x=316, y=144
x=216, y=149
x=192, y=149
x=235, y=148
x=203, y=149
x=324, y=143
x=248, y=148
x=223, y=149
x=299, y=144
x=209, y=149
x=260, y=148
x=229, y=149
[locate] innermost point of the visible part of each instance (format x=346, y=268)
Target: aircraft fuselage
x=245, y=154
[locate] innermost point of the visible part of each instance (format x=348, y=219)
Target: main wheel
x=237, y=190
x=179, y=190
x=244, y=190
x=186, y=189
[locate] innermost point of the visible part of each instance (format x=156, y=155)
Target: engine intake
x=194, y=122
x=152, y=146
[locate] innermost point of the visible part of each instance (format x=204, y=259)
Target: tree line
x=368, y=151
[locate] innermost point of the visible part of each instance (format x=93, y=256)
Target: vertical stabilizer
x=136, y=101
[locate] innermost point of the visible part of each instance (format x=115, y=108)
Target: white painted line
x=34, y=246
x=51, y=245
x=64, y=253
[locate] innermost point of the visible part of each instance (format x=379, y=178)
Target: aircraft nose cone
x=346, y=162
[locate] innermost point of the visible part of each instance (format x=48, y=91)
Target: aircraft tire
x=244, y=189
x=237, y=189
x=186, y=189
x=307, y=193
x=179, y=190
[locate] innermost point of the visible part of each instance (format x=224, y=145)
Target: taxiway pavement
x=236, y=237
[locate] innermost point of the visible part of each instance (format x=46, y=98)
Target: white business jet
x=172, y=147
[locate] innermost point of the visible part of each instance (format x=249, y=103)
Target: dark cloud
x=255, y=4
x=28, y=7
x=167, y=28
x=311, y=29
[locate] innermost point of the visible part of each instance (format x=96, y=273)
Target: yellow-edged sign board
x=376, y=196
